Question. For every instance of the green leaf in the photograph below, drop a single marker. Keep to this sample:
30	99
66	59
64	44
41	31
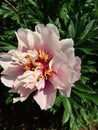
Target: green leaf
86	51
84	95
9	98
57	104
4	46
88	69
64	13
67	110
96	6
84	88
94	98
73	124
76	102
7	48
88	29
84	79
71	30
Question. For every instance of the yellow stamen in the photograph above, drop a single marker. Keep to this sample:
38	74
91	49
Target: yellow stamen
39	77
26	67
29	58
40	64
43	55
29	61
47	73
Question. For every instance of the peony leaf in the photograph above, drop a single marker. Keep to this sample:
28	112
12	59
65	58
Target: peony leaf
67	110
84	88
73	124
71	30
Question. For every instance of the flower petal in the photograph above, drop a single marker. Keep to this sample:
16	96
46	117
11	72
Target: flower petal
66	91
22	40
46	97
77	69
66	44
52	27
7	80
49	36
23	92
10	75
68	50
28	39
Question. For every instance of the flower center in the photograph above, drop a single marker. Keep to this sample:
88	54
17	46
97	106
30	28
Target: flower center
40	63
43	55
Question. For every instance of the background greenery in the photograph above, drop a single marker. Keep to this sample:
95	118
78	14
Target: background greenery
77	19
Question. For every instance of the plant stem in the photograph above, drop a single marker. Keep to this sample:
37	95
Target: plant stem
11	5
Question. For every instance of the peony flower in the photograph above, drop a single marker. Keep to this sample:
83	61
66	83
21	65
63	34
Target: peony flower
42	63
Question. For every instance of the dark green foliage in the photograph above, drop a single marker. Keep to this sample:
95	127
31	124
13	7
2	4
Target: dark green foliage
77	19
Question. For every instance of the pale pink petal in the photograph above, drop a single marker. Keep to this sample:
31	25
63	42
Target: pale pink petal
6	56
40	84
78	63
22	34
68	50
6	59
52	27
10	73
37	41
63	80
28	39
5	64
20	88
77	69
57	83
22	46
23	92
29	80
25	39
65	91
7	80
65	75
59	58
13	70
21	99
66	44
46	97
49	37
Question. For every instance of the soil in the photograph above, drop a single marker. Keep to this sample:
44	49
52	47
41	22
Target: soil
24	116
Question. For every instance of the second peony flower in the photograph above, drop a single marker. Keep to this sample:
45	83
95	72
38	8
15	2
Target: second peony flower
42	63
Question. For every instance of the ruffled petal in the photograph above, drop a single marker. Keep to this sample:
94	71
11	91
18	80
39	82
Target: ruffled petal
65	91
63	80
66	44
8	80
22	40
23	92
10	74
28	40
49	35
6	59
68	50
46	97
52	27
77	68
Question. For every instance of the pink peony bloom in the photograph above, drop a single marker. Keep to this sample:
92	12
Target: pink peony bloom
42	63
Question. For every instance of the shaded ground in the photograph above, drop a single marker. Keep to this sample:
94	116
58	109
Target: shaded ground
23	116
17	117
